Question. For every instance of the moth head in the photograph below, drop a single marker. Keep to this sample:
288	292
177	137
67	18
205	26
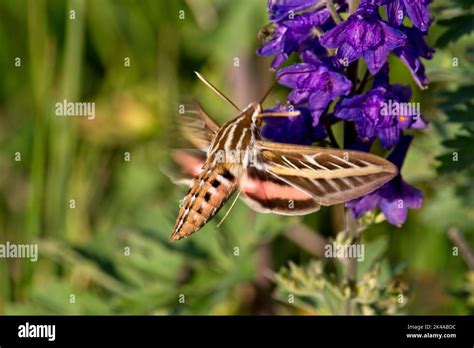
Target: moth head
253	110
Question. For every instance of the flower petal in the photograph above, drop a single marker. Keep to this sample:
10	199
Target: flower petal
335	37
389	136
290	76
273	45
298	96
397	156
419	13
375	59
393	37
318	101
348	53
362	205
292	130
395	12
392	211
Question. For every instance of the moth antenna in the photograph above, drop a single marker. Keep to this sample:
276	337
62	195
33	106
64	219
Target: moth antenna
228	211
215	90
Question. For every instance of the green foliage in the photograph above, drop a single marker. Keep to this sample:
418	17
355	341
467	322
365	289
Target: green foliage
460	24
310	289
324	287
140	272
457	27
465	293
458	106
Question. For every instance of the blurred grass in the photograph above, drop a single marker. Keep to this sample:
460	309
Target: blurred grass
130	204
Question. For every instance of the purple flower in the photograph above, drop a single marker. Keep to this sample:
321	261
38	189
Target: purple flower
382	112
294	130
415	47
364	34
279	9
395	197
314	82
296	35
417	10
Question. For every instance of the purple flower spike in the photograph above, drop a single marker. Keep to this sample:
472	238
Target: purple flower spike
364	34
293	130
382	112
395	197
410	53
417	10
315	83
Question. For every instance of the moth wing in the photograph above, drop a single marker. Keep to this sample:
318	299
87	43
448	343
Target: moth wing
189	164
329	176
197	126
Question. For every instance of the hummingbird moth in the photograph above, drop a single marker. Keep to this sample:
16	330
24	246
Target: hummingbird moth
270	177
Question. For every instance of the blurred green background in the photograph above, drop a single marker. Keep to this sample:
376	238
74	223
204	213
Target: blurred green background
110	254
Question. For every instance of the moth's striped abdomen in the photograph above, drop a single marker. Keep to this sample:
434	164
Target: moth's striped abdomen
210	190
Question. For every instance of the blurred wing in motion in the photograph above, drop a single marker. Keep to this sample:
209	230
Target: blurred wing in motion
197	126
199	129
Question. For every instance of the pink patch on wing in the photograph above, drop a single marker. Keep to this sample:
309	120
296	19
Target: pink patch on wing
190	164
270	190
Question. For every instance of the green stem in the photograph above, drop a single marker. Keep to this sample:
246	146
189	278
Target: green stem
333	11
41	73
364	81
311	9
328	127
63	138
351	270
350	136
353	4
332	138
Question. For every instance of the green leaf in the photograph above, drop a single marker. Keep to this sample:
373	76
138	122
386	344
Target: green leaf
373	250
460	116
465	160
457	27
463	95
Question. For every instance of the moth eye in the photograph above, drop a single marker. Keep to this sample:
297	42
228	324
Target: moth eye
258	122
